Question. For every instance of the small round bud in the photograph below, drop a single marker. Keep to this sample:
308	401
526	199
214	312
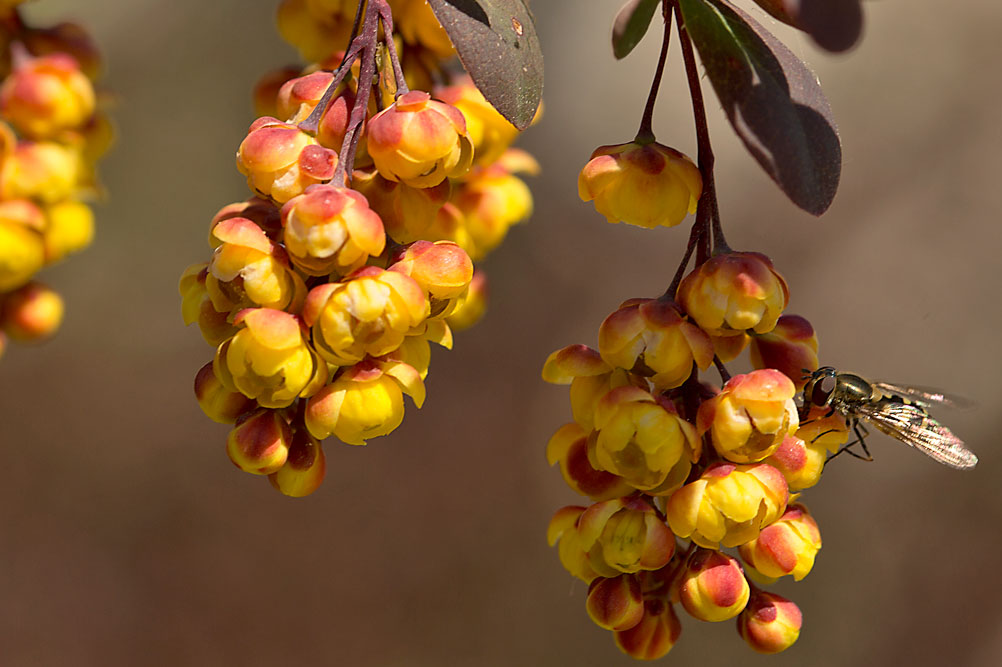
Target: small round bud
196	306
407	213
42	171
800	462
616	603
280	160
770	623
569	447
733	292
31	313
217	402
491	201
259	443
419	141
713	586
472	307
22	249
69	229
442	269
304	469
45	96
788	546
646	185
654	636
751	416
791	348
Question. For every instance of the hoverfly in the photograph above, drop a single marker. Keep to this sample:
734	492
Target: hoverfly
897	411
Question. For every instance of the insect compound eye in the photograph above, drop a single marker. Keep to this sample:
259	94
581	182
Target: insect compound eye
823	390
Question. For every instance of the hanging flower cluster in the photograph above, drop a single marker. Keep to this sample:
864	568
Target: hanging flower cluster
370	205
51	135
676	471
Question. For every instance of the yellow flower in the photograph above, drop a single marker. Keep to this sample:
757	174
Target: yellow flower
45	96
569	447
22	248
788	546
280	160
625	535
70	228
490	132
646	185
268	359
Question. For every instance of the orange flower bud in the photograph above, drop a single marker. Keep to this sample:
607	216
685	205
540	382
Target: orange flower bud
713	586
407	213
791	348
249	269
728	505
69	228
646	185
419	141
259	443
329	229
770	623
616	603
299	96
490	132
268	359
642	439
569	447
304	467
788	546
196	306
654	636
366	401
653	334
45	96
733	292
217	402
491	201
280	160
472	307
31	313
22	248
442	269
800	462
751	416
262	212
367	314
625	535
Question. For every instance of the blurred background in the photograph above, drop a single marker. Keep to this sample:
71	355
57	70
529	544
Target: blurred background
130	539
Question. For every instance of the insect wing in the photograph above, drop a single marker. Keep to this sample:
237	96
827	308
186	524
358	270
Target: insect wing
911	425
925	396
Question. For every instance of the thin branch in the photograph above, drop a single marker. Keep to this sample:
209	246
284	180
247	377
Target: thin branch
645	134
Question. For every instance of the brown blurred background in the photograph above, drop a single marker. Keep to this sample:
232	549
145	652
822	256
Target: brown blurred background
129	538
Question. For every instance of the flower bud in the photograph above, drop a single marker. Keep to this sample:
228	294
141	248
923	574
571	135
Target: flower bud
22	249
787	546
268	359
442	269
366	401
259	443
217	402
646	185
43	171
791	348
770	623
331	230
652	334
733	292
490	132
419	141
304	467
569	447
196	306
713	586
248	269
45	96
262	212
654	636
69	228
472	307
31	313
407	213
801	463
419	25
369	313
751	416
641	438
728	505
491	201
625	535
616	603
280	160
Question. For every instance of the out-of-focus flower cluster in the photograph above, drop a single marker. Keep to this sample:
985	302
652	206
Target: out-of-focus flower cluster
51	135
322	295
677	471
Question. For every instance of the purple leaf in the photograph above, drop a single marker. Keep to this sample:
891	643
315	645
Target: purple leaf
836	25
631	25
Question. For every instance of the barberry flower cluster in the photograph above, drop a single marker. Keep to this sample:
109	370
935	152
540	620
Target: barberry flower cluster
677	471
371	202
51	135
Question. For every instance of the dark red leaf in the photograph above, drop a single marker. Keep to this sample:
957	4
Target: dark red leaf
772	100
836	25
497	42
631	25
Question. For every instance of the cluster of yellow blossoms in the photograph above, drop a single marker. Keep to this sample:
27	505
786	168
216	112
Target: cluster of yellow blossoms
664	457
51	135
325	289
